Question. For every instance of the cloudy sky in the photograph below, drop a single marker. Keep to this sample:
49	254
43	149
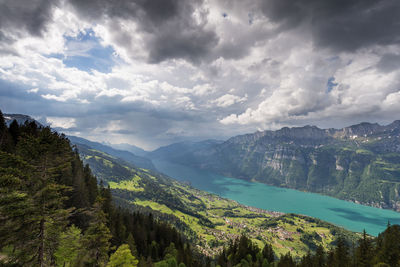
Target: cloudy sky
152	72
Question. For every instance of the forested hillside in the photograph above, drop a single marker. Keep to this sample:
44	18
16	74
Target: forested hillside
52	211
383	251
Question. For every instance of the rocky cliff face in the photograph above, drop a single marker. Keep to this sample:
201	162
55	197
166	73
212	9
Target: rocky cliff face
360	163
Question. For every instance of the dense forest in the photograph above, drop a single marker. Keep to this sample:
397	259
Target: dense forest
381	251
54	212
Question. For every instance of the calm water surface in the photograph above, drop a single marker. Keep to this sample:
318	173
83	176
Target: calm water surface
343	213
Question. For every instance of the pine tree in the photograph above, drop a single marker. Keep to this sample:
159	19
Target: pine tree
6	143
222	258
286	261
364	251
319	259
268	253
341	253
330	259
97	237
15	131
16	216
48	154
118	228
306	261
389	245
44	198
3	126
123	258
91	184
154	250
170	252
132	246
69	247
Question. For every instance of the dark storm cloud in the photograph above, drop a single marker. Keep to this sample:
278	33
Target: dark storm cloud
188	44
173	31
152	13
342	25
389	63
32	15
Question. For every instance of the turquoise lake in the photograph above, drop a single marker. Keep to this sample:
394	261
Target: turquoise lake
349	215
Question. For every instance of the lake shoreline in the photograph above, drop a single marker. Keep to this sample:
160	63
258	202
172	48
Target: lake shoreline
343	213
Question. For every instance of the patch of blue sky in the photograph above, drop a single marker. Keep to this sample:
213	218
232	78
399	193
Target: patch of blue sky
86	53
330	84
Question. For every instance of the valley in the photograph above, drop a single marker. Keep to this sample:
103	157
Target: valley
351	216
359	163
208	220
172	133
354	217
222	209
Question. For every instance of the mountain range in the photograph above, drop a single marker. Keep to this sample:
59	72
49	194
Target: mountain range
360	163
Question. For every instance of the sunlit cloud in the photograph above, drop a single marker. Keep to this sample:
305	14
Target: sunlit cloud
189	70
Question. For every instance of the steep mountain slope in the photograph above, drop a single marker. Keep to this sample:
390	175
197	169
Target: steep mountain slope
53	213
210	221
138	161
360	163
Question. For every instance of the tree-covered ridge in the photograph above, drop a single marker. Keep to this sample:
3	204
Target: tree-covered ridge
206	219
53	213
383	251
360	163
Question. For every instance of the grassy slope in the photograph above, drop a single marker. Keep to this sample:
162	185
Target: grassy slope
210	221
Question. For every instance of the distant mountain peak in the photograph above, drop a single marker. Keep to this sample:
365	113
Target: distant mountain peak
314	132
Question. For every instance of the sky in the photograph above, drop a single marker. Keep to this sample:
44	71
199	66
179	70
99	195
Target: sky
154	72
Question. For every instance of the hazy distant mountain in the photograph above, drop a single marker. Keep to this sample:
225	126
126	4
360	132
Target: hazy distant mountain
131	148
20	118
359	163
129	157
185	152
